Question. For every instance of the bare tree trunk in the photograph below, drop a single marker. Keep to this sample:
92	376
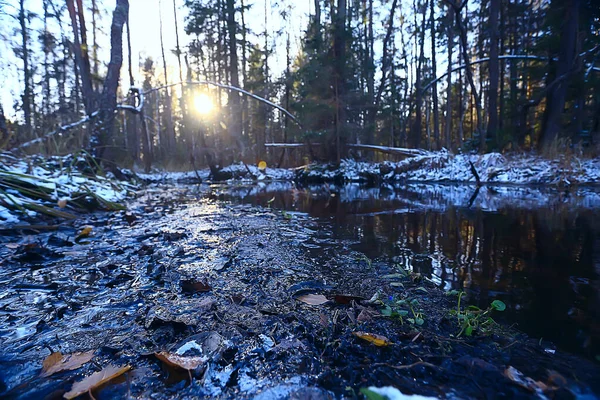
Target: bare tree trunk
170	134
27	81
555	99
46	49
469	70
416	130
448	127
436	113
235	125
80	52
95	46
370	73
494	76
385	57
245	106
339	51
102	135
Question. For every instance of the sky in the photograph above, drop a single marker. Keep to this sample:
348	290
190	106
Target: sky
145	35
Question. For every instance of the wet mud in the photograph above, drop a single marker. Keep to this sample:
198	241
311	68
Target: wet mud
256	303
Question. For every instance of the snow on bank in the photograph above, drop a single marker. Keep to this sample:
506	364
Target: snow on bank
57	176
237	172
443	166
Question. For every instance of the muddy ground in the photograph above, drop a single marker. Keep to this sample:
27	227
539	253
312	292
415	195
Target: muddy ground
225	287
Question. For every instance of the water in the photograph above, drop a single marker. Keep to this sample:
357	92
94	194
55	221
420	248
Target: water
538	250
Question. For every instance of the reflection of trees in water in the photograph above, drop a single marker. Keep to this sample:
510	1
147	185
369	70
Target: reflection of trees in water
539	262
543	262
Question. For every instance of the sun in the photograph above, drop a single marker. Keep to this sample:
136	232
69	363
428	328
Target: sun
204	104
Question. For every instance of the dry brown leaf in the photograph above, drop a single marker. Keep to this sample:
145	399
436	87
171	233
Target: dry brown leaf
85	232
175	360
96	379
377	340
525	382
57	362
313	299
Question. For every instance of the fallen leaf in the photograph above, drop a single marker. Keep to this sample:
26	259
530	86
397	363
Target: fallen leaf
525	382
377	340
346	299
85	232
57	362
96	379
195	286
313	299
175	360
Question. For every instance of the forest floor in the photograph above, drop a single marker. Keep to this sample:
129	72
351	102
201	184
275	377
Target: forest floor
187	296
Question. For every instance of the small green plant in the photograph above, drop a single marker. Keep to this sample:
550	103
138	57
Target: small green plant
473	318
397	309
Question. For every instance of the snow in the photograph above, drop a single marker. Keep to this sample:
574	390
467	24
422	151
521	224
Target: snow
391	393
57	175
442	166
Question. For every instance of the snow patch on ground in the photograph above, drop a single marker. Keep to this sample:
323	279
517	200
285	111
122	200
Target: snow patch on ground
443	166
59	176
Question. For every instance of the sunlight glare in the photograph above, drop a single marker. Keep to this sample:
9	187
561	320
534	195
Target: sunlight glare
204	104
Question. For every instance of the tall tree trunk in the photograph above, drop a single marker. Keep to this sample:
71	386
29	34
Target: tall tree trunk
95	46
102	135
245	106
235	124
448	126
370	73
385	56
468	69
265	135
170	134
80	52
27	75
417	125
492	129
555	99
339	52
46	50
434	93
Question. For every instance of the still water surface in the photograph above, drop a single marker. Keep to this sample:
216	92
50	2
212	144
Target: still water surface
536	250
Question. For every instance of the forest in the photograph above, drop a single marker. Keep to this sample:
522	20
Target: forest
278	199
482	76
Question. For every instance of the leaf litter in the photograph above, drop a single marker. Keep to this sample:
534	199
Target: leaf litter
95	380
57	362
125	298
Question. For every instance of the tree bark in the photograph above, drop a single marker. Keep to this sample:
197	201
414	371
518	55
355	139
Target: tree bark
27	84
555	100
469	71
436	112
87	90
448	126
417	125
492	129
339	52
170	134
102	136
235	124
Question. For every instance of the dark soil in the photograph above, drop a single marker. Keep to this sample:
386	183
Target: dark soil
184	269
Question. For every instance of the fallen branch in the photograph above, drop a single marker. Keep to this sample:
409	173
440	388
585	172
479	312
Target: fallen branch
392	150
61	129
229	87
475	174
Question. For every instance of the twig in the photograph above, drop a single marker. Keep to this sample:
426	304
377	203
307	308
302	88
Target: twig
401	367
